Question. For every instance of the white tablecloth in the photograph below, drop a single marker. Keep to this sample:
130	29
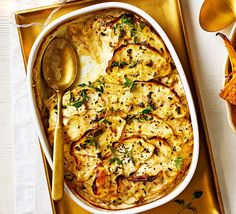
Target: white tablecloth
31	191
208	55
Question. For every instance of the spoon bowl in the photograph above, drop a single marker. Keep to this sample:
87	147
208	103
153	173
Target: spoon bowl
59	64
217	14
59	71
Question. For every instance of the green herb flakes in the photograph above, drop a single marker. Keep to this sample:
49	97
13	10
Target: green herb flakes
178	162
142	25
92	141
129	84
123	63
116	26
113	150
115	160
119	64
106	121
78	103
83	98
134	35
115	64
140	120
127	20
83	84
146	110
99	89
133	32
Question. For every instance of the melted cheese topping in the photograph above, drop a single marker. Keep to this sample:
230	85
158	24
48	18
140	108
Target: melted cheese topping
128	134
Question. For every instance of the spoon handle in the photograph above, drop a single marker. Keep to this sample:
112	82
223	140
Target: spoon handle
58	154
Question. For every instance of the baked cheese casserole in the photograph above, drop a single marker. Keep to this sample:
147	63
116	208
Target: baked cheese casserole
127	128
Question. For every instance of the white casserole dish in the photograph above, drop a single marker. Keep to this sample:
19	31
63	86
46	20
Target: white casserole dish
39	125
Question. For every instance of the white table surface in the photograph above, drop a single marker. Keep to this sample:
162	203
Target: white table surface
6	137
209	56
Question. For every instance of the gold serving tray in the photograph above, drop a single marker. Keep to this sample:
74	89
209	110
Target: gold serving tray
202	194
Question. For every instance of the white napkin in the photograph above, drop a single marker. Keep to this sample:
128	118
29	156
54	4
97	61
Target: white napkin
31	190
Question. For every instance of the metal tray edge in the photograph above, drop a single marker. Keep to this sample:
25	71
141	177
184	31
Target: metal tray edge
203	118
209	149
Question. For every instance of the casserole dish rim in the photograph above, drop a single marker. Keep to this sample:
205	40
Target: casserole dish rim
40	128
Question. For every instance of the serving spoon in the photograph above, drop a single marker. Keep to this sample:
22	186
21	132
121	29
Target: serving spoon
217	14
59	67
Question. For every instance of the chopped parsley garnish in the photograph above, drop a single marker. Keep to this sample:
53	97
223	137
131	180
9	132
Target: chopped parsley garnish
123	63
142	25
127	19
113	150
116	26
140	119
119	64
83	94
106	121
99	89
129	155
129	84
83	84
101	82
92	141
115	64
178	162
117	153
133	32
115	160
83	98
134	35
91	85
146	110
78	103
122	32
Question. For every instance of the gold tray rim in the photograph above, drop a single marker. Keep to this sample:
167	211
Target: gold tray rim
203	117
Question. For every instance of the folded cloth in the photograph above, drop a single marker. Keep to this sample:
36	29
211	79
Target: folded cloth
31	190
